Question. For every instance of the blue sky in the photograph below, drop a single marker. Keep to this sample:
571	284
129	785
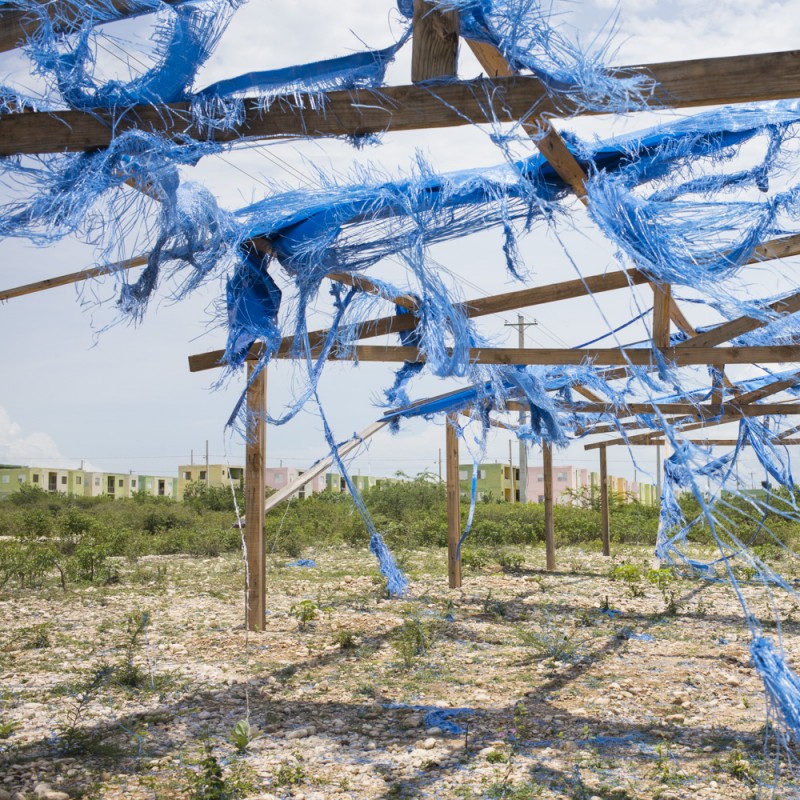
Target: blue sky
122	398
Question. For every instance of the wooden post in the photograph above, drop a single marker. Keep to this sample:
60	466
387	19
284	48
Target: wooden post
604	518
255	547
434	46
549	525
662	298
453	503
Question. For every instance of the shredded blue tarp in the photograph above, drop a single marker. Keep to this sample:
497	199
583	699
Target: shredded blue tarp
302	562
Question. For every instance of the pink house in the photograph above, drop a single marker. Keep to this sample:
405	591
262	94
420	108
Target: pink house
278	477
564	477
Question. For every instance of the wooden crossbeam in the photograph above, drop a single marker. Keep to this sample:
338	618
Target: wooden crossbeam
682	84
704	411
72	277
16	25
479	307
768	354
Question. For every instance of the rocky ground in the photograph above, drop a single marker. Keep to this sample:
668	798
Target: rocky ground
523	684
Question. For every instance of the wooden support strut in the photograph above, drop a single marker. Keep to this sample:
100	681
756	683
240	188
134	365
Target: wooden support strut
549	521
434	44
254	487
453	502
605	530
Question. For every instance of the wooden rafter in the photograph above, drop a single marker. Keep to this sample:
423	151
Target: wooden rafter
682	84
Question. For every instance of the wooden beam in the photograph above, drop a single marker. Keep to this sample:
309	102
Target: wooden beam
254	487
683	84
549	520
491	59
473	308
322	465
662	300
767	354
741	325
434	43
72	277
17	25
453	502
718	442
605	530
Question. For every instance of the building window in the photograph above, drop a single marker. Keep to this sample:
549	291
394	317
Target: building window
463	475
149	485
97	481
223	472
133	482
278	478
202	474
561	476
540	478
78	480
481	474
120	483
20	478
36	479
63	480
5	478
187	476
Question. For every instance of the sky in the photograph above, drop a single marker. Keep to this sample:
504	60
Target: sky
79	387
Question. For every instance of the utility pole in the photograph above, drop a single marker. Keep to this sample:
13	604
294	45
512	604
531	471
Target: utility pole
207	479
511	473
440	465
520	325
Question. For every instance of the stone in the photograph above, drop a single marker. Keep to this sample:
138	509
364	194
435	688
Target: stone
429	743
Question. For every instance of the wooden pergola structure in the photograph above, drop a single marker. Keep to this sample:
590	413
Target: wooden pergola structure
437	99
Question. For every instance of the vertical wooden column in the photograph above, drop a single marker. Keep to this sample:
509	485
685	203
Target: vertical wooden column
662	301
453	503
434	45
255	546
604	517
549	524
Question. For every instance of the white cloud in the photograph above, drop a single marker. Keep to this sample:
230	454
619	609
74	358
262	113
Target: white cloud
18	447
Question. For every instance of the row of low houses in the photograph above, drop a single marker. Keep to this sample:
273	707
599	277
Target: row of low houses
570	484
494	481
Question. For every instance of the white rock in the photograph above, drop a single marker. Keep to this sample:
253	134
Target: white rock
429	743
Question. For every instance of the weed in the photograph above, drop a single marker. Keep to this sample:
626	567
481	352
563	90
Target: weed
631	576
475	558
40	637
345	639
413	638
290	774
510	562
549	640
666	772
70	736
210	782
127	673
7	728
496	757
663	579
305	612
738	766
242	735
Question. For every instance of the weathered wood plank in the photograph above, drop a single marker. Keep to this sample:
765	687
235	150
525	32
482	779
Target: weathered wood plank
434	43
453	502
768	354
605	527
683	84
254	488
549	519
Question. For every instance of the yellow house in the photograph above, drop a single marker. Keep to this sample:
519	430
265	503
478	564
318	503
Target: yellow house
213	475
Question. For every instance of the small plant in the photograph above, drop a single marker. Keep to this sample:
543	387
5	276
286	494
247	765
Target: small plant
72	739
413	638
290	774
738	766
40	637
305	612
346	640
474	559
242	735
496	757
510	562
663	580
127	673
666	771
7	728
631	576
